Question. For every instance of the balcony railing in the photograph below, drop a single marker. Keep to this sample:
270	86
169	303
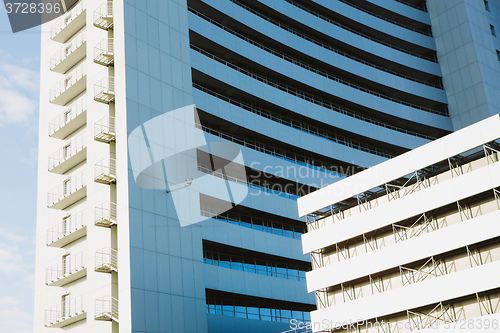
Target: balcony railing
105	171
68	230
104	90
70	54
106	260
69	156
69	311
72	267
103	53
103	16
104	130
105	214
70	191
106	308
69	23
70	86
74	117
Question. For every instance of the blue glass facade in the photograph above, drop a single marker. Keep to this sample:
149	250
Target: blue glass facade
311	91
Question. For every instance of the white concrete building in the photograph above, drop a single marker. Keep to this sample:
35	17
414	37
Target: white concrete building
76	269
411	243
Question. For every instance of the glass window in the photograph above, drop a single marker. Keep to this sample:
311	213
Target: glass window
237	265
228	310
246	225
258	227
265	314
286	314
261	267
281	272
297	315
293	274
224	264
249	267
234	222
253	312
240	311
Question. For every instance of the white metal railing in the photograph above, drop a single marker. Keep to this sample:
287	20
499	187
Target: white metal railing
68	48
105	169
104	127
104	89
103	15
105	211
68	225
70	79
68	265
107	259
69	307
72	148
74	110
66	19
106	308
103	52
69	186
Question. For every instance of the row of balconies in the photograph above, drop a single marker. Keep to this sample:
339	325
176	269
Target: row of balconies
69	156
75	19
73	226
74	188
72	309
75	82
73	267
75	50
70	61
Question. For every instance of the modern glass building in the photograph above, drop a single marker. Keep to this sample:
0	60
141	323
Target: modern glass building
308	91
421	251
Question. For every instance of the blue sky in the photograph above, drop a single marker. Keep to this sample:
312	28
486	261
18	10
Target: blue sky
19	90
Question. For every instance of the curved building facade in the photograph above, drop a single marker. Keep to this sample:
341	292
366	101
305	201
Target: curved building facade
308	91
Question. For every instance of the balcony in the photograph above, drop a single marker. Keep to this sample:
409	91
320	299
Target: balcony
70	54
103	53
69	311
106	309
69	192
73	84
105	215
104	90
71	268
104	130
71	228
69	24
69	156
106	260
103	16
70	120
105	171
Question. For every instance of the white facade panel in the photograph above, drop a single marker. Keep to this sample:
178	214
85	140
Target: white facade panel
441	149
450	238
443	288
433	197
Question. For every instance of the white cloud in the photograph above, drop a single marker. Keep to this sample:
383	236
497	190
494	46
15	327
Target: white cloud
23	77
16	272
12	256
18	93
